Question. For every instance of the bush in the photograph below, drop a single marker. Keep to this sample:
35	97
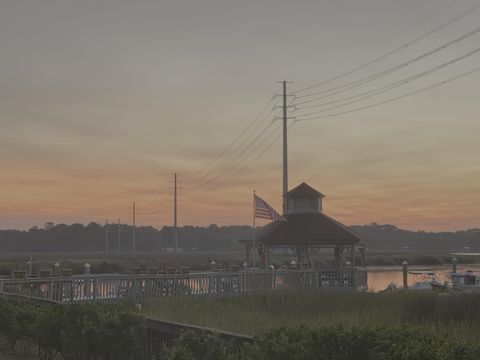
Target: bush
7	323
45	330
15	321
339	343
194	346
325	343
78	332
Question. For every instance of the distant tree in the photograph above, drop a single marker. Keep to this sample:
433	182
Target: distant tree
77	237
49	225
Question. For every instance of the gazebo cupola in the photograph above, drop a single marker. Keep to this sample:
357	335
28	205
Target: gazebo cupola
303	199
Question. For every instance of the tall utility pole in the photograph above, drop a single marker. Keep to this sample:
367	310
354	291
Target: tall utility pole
106	235
285	149
175	230
133	230
285	119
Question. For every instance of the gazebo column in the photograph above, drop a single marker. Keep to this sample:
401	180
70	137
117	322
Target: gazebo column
362	258
247	255
311	257
307	257
338	255
298	250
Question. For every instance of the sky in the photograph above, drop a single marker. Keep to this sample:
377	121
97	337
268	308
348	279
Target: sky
102	101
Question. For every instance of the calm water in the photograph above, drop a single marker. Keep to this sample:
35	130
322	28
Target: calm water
379	278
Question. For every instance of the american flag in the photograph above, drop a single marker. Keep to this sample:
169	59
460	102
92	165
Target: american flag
265	211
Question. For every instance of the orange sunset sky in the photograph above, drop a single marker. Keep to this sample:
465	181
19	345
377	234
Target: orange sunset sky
102	101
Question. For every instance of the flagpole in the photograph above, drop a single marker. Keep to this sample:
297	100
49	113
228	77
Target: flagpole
254	230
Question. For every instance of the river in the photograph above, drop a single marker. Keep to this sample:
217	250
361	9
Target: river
380	277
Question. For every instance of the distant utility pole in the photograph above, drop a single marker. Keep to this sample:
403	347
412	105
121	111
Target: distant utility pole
106	235
118	234
133	230
175	230
30	263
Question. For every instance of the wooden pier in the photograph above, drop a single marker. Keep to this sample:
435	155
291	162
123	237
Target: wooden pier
147	288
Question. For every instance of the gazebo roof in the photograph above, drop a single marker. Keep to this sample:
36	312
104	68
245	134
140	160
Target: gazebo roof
306	229
304	190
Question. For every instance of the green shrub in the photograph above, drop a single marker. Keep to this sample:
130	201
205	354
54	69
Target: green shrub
78	332
45	329
325	343
195	346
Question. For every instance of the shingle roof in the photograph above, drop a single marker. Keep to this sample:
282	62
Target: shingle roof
306	229
304	190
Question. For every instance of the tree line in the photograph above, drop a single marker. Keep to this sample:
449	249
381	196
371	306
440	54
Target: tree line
92	237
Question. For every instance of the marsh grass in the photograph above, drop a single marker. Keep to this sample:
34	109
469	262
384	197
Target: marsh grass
121	262
449	314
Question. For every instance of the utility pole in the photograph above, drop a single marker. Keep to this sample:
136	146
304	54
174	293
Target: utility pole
254	248
285	149
118	234
175	230
133	230
106	235
284	119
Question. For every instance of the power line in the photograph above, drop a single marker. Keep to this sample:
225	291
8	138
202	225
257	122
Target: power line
244	155
468	73
238	149
239	170
391	86
231	161
164	192
259	155
238	161
232	144
382	28
364	80
159	210
218	180
392	52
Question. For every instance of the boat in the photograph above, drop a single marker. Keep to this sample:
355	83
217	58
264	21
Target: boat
467	280
392	287
424	280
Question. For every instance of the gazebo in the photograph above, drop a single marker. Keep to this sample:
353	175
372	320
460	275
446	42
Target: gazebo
307	230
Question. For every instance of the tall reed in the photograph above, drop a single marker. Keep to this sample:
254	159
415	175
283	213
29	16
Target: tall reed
455	313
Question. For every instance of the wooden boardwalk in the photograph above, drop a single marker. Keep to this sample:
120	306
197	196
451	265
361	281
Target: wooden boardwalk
147	288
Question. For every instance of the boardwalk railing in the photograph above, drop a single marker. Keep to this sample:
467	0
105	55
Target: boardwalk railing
146	288
160	333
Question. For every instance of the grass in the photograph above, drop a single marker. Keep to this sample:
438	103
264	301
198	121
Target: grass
120	262
124	262
454	314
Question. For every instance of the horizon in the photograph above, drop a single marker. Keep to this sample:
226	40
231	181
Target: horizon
102	101
42	226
